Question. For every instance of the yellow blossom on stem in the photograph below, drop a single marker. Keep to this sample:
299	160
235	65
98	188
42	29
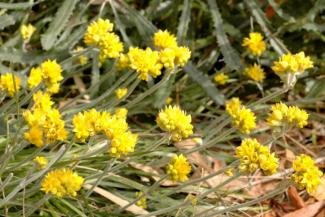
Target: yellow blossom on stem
35	77
292	63
83	60
123	143
121	113
143	201
121	92
178	168
164	39
96	30
145	62
168	101
27	31
182	55
255	72
35	136
110	46
306	174
255	44
175	121
254	156
62	182
41	161
10	83
221	78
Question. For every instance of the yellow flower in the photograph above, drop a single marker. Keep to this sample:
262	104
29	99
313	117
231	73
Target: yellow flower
178	168
110	46
145	62
123	62
306	174
143	201
35	136
182	55
41	161
62	182
175	121
289	63
35	77
254	156
243	118
282	114
221	78
168	101
121	113
167	57
10	83
51	72
42	101
96	30
255	72
121	92
164	39
123	143
254	43
83	60
27	31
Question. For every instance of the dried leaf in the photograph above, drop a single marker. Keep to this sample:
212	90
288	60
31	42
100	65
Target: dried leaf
307	211
296	200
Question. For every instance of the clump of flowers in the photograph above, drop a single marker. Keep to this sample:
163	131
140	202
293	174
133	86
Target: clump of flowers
292	63
62	182
254	44
115	127
282	115
45	123
41	161
175	121
10	83
255	72
221	78
306	174
121	92
254	156
242	118
99	34
50	72
27	31
149	63
178	168
83	60
142	202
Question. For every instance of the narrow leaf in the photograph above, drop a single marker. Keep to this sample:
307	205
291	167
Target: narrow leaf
184	21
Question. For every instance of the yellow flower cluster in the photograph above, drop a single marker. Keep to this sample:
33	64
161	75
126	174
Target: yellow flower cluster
62	182
178	168
242	117
115	127
49	72
121	92
100	34
83	60
45	123
41	161
148	62
27	31
255	72
10	83
175	121
282	114
221	78
254	156
254	43
306	174
292	63
142	202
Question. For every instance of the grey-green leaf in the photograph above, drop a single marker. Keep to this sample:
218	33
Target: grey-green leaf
6	20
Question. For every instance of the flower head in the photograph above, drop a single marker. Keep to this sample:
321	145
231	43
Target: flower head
110	46
221	78
145	62
182	55
254	43
121	92
253	156
10	83
35	77
41	161
178	168
143	201
306	174
83	60
123	143
255	72
292	63
175	121
163	39
62	182
123	62
27	31
96	30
